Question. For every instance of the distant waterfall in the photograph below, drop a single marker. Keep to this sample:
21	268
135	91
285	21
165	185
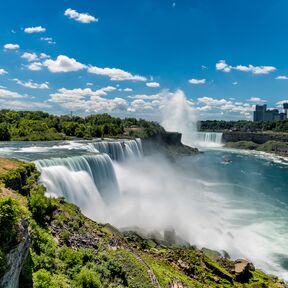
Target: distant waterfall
80	178
208	139
118	150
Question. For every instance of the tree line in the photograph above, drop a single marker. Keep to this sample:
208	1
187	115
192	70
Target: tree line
242	125
38	125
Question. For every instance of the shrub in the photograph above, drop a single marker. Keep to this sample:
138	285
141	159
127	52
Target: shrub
9	209
88	279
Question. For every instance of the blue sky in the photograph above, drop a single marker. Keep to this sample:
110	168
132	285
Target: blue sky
125	57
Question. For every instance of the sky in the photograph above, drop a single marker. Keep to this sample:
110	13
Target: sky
125	57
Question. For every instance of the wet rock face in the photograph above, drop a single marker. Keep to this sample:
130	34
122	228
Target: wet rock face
15	259
242	270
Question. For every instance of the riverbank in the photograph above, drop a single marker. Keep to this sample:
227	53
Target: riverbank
63	248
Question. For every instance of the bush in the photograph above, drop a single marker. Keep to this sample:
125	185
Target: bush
9	210
88	279
40	206
41	279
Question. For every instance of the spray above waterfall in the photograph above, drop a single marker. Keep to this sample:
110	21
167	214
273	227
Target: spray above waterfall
179	115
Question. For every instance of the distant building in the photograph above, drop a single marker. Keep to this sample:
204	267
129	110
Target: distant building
262	114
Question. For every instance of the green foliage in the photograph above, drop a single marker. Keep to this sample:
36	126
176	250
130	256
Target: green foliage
88	279
42	279
40	206
37	125
4	132
18	179
242	125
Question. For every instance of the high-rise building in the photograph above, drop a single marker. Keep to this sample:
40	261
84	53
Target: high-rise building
262	114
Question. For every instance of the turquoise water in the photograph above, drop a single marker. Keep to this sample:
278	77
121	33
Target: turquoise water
222	199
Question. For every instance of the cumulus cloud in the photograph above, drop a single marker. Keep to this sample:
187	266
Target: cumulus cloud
88	100
115	74
226	106
281	77
29	56
80	17
128	89
224	67
23	105
11	46
146	97
37	29
153	84
63	64
49	40
197	81
31	84
4	93
3	71
256	99
35	66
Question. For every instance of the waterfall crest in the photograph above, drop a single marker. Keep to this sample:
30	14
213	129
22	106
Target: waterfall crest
208	139
118	150
72	176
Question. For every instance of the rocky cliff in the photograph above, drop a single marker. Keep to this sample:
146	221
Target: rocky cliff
69	250
258	138
168	143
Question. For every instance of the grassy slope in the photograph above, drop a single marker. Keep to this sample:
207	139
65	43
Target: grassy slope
70	250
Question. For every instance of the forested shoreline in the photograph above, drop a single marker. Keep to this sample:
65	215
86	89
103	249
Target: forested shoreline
42	126
243	125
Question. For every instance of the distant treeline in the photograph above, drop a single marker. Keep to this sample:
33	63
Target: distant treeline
37	125
245	126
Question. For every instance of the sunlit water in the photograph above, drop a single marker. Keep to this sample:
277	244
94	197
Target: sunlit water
222	199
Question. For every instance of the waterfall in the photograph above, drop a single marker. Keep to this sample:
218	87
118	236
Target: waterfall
208	139
80	179
118	150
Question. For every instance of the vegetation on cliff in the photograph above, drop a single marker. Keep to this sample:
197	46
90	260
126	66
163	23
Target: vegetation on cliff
70	250
37	125
242	125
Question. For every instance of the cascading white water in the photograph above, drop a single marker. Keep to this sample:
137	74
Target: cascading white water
60	174
208	139
118	150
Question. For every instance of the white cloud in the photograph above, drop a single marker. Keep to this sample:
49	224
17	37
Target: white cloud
31	84
256	99
128	89
223	66
80	17
255	69
29	56
145	97
11	46
35	66
4	93
37	29
281	77
20	105
63	64
49	40
213	101
44	56
88	100
197	81
153	84
3	71
115	74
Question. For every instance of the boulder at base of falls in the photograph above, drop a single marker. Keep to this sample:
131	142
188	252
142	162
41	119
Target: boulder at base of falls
242	270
